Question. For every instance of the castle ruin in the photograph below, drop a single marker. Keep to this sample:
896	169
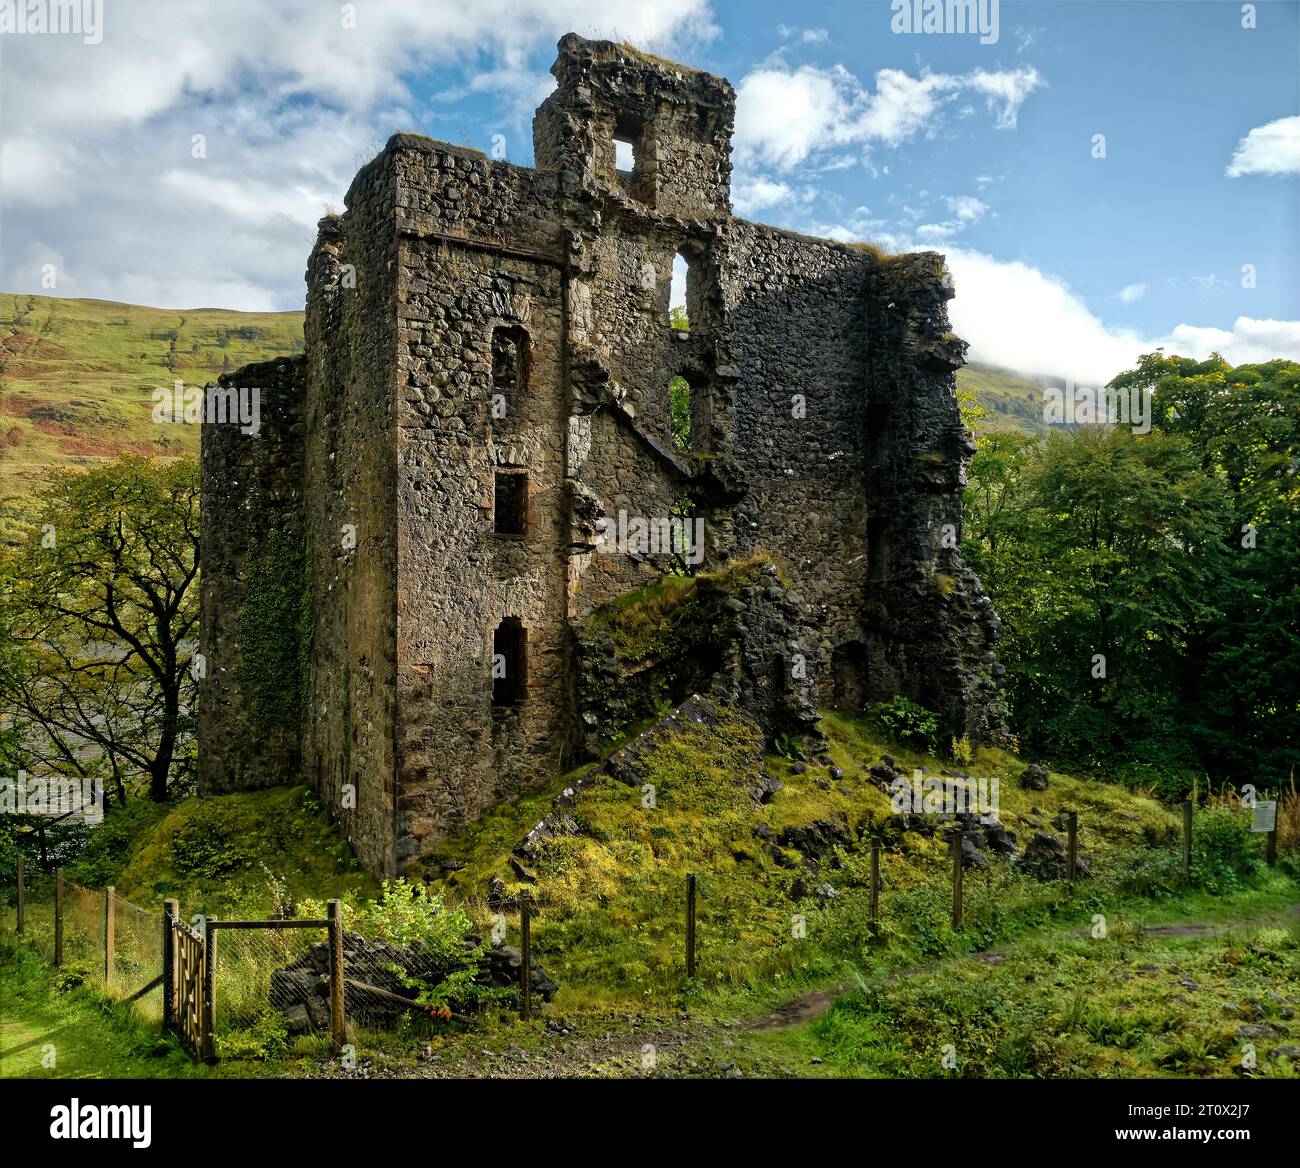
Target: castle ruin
394	566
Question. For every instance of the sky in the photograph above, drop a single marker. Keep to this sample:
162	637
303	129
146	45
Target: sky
1104	176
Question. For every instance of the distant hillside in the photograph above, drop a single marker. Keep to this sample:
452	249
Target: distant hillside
77	378
1012	401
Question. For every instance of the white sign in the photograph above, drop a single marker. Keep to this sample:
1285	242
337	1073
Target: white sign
1265	816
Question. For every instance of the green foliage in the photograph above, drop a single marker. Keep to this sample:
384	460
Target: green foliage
214	854
1224	850
905	720
407	914
266	1038
679	408
1173	555
102	624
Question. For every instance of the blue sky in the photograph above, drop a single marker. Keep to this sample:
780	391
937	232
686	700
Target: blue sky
1065	263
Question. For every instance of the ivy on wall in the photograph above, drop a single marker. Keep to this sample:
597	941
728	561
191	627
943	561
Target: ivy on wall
275	626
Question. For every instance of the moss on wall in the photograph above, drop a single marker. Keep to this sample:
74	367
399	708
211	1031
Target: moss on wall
275	629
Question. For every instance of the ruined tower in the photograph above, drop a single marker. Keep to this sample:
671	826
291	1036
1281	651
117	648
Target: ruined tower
392	569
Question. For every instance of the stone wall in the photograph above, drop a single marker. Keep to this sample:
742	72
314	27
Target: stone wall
351	493
824	436
251	504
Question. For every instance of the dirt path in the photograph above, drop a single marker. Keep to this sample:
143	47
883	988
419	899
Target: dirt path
813	1005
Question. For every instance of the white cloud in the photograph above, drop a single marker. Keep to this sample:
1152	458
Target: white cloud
1019	317
1269	149
95	151
967	208
784	115
807	36
1131	292
751	195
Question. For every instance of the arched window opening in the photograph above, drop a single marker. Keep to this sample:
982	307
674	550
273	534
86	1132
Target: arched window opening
630	159
509	359
679	316
509	663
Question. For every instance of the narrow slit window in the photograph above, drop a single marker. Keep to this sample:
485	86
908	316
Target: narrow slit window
509	359
510	503
509	663
679	316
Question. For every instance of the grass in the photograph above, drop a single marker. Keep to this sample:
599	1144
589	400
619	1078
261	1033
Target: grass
50	1028
610	900
1072	1004
1012	403
224	855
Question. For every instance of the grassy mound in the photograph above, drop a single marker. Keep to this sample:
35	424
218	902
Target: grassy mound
224	855
610	899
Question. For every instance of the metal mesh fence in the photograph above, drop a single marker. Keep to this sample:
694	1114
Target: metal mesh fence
83	931
136	959
271	979
137	956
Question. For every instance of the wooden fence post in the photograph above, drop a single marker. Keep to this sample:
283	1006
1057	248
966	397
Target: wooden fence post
875	889
58	918
208	1028
171	910
338	1023
525	958
956	879
1072	830
690	926
1187	837
21	896
109	927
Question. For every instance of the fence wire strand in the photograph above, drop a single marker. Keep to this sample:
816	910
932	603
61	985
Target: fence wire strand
280	975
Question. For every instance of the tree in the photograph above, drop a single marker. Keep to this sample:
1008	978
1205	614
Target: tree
1174	555
103	608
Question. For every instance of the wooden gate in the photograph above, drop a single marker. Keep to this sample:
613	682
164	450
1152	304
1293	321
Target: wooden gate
185	983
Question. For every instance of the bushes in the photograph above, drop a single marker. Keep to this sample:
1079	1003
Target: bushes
406	914
907	721
1224	850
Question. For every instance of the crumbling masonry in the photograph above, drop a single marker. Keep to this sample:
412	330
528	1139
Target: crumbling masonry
486	386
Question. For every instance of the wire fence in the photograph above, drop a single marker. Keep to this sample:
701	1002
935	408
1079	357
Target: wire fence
270	973
119	951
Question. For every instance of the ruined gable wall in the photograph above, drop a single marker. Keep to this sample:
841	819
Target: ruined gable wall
794	325
251	513
351	480
931	630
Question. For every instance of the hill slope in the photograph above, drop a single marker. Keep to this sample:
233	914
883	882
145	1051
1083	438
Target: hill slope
77	378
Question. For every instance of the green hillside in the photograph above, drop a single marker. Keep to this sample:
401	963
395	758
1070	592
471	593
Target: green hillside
1012	402
77	378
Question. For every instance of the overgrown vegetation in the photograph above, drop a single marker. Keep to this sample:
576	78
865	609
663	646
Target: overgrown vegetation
1149	583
